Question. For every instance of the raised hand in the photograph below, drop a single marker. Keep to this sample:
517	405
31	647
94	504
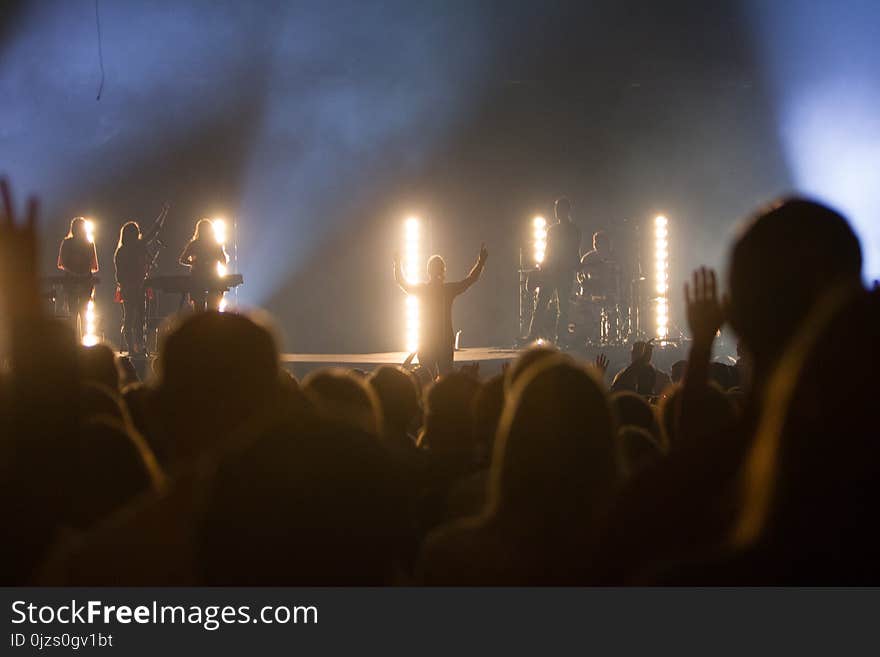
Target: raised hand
484	254
19	289
601	363
705	309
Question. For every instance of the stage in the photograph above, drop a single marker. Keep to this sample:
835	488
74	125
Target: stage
491	359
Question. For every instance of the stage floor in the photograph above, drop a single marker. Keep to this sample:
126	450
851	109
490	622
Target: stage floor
491	359
467	355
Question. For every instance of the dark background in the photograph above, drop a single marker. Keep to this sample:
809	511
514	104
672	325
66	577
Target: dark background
319	126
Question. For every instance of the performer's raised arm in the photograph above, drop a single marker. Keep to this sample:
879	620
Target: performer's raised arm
402	283
475	272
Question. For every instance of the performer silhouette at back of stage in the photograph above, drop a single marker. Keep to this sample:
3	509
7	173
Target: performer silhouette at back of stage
78	259
561	261
436	337
205	257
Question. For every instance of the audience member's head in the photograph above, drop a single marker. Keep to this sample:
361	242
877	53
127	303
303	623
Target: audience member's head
398	398
713	416
307	502
631	409
218	370
555	458
98	364
448	429
784	260
343	397
525	360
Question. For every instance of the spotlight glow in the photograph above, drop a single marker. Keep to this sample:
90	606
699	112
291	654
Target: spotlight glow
219	226
90	337
826	98
412	266
90	230
221	272
661	276
539	239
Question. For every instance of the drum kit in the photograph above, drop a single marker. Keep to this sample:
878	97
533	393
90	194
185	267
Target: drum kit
597	312
608	309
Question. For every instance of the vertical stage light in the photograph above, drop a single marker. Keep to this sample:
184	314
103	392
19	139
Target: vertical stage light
539	239
89	320
219	226
90	326
661	277
90	230
412	264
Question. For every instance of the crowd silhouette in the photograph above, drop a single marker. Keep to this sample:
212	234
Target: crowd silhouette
224	469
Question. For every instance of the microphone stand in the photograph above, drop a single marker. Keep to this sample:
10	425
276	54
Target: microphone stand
154	248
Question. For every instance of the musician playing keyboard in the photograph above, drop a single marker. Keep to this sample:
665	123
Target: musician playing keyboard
207	259
78	259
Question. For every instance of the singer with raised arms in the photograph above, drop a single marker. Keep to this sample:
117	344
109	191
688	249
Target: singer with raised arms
436	337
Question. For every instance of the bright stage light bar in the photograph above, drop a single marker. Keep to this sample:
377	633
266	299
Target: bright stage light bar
221	236
412	266
90	230
221	272
539	239
219	226
661	276
90	337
